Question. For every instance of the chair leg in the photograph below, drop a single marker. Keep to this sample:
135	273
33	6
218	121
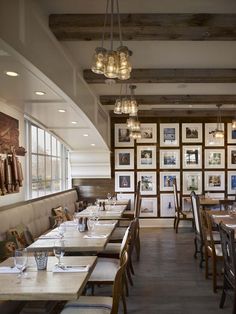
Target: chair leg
202	256
126	285
177	225
137	247
131	266
129	276
214	274
206	264
124	303
223	295
195	244
175	222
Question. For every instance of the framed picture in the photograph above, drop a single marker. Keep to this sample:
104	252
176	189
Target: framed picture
214	158
122	138
231	157
124	181
231	182
231	134
148	182
126	196
210	140
167	205
192	157
148	207
146	157
124	158
169	134
191	132
169	159
214	180
192	181
166	180
148	133
186	204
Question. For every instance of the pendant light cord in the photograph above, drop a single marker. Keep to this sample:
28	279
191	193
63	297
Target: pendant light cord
119	25
112	9
104	25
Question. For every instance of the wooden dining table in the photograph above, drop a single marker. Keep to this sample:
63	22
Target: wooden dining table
46	284
111	212
224	217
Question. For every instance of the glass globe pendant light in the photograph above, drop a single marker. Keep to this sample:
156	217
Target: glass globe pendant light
219	133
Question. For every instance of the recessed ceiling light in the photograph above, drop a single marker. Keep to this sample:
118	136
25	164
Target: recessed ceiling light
190	106
40	93
85	134
61	110
11	73
74	122
92	144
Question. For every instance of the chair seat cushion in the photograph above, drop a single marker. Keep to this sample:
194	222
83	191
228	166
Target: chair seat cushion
118	234
188	215
105	270
112	248
88	305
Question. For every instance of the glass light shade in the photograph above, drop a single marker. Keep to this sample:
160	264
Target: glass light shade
133	107
131	123
118	106
135	135
126	106
234	124
99	60
136	126
219	133
112	65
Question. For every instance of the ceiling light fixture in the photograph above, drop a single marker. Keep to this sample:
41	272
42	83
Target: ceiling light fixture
126	105
12	73
85	134
62	110
40	93
234	124
92	144
218	132
112	63
74	122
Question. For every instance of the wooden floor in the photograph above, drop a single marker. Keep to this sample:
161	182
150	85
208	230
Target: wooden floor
168	279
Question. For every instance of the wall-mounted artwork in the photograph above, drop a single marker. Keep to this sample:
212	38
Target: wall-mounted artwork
169	134
148	133
231	182
166	180
124	181
192	157
210	139
231	134
191	132
231	157
214	158
169	159
192	181
148	207
122	138
124	158
148	182
167	207
146	157
214	180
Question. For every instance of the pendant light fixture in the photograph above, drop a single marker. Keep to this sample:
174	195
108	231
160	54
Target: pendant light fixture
218	133
126	104
112	63
234	123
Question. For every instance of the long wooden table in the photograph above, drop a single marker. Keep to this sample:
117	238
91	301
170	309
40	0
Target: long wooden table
223	216
111	212
46	285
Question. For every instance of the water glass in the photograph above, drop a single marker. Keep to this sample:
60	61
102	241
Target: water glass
59	251
109	196
20	260
61	230
41	258
91	224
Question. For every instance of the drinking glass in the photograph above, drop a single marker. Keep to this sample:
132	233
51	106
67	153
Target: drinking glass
91	224
113	201
109	196
61	230
59	251
20	260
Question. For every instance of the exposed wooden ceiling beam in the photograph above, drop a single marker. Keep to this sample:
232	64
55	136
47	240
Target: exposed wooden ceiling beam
174	99
170	76
146	26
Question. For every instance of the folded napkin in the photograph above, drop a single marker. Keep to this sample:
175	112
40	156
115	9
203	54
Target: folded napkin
220	216
71	269
95	236
49	236
105	224
9	270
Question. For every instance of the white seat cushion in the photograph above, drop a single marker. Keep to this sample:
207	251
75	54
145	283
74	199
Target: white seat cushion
105	270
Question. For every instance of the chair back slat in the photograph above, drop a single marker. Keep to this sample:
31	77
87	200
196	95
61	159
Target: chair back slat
196	213
176	200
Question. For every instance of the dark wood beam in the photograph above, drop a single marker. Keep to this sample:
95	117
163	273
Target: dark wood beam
170	76
146	26
174	99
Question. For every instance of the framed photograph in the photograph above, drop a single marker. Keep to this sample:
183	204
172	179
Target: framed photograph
167	205
214	158
231	182
148	182
148	133
169	159
210	140
122	138
166	181
231	134
192	132
126	196
186	204
214	180
146	157
124	181
192	157
231	157
192	181
169	134
124	159
148	207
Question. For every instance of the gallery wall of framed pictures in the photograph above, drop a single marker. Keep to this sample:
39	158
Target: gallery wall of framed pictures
186	151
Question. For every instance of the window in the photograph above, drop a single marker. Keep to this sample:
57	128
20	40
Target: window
48	162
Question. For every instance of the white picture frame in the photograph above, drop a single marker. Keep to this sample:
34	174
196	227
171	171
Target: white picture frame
124	181
148	182
192	157
148	207
191	132
124	158
148	133
122	138
169	134
192	181
214	180
231	134
214	158
167	205
231	182
210	140
166	180
146	157
169	159
231	157
126	196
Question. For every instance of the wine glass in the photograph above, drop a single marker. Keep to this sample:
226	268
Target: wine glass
113	201
109	197
59	252
91	224
61	230
20	260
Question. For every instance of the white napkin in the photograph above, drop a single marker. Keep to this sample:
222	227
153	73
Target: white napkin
220	216
105	224
71	269
95	236
231	225
9	270
49	236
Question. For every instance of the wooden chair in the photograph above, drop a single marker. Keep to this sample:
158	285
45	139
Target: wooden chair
134	214
228	249
97	304
179	213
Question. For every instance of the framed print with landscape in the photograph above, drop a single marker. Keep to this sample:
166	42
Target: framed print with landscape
210	140
192	181
231	182
214	158
231	134
192	157
214	180
146	157
169	134
166	180
148	182
167	205
231	157
124	158
148	207
148	133
122	138
124	181
191	132
169	159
